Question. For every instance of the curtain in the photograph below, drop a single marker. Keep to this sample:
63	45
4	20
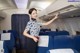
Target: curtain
19	22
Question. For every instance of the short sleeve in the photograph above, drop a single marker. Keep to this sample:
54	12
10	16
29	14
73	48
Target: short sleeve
28	26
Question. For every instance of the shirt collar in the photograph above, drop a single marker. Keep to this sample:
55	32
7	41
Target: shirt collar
32	19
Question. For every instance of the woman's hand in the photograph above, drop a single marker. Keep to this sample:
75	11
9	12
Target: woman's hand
47	23
57	14
35	39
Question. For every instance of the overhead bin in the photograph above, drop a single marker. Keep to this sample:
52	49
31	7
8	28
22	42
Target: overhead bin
62	6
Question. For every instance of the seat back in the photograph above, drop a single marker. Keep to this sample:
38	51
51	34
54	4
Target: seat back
63	42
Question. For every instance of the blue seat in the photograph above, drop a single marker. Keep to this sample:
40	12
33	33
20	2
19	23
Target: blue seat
77	42
52	33
43	33
10	44
5	48
16	36
42	49
14	33
43	30
63	42
62	33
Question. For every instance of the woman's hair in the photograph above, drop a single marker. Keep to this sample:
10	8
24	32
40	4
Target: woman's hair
31	10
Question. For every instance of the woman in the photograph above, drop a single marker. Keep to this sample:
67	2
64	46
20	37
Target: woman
34	27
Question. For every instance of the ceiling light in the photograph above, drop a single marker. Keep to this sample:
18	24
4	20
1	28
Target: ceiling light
40	4
21	4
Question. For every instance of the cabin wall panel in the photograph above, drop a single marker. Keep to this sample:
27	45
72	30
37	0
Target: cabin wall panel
69	24
74	24
6	23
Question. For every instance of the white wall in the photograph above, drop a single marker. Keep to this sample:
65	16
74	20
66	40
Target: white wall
68	24
6	23
74	25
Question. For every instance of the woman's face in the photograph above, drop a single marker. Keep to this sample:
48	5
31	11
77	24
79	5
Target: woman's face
34	14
